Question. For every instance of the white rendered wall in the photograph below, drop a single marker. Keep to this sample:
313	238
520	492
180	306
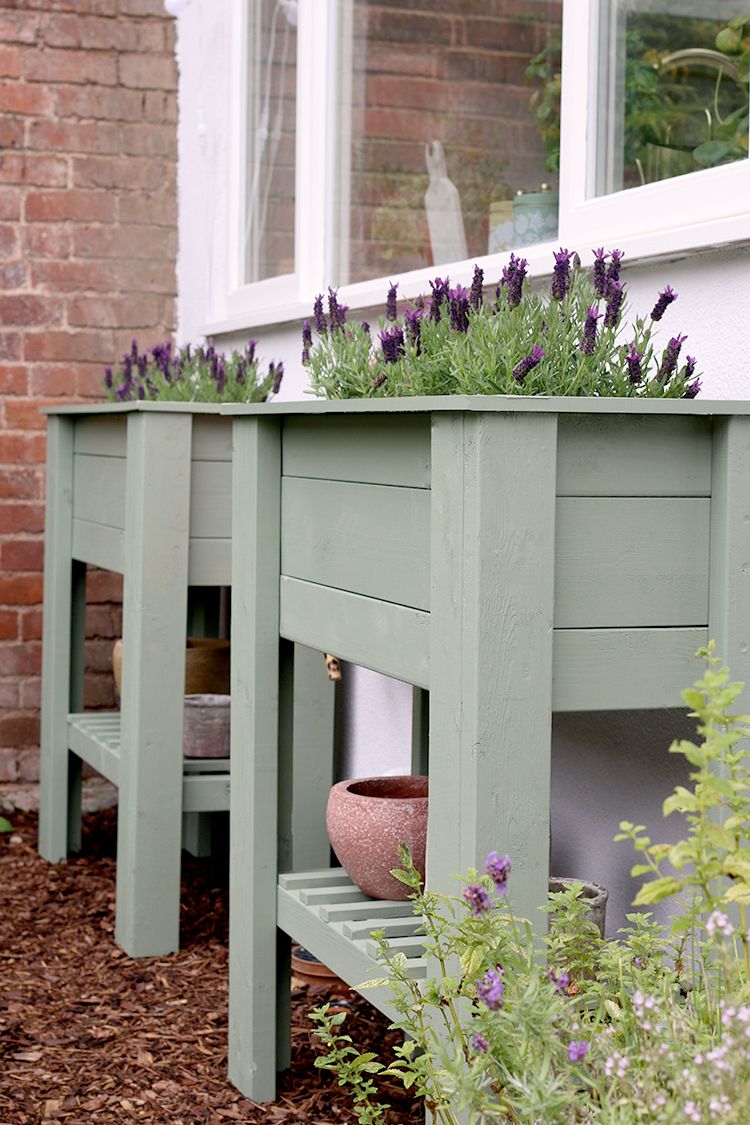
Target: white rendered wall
606	767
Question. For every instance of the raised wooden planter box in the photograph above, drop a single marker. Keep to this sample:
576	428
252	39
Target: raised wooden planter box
143	490
513	557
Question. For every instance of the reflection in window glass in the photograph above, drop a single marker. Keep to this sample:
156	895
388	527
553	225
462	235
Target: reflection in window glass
271	111
675	92
447	114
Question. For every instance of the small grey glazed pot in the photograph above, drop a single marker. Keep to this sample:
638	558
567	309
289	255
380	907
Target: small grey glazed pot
367	818
593	895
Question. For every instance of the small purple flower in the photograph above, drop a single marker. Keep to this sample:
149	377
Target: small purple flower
220	376
475	293
321	325
615	297
365	328
392	343
306	342
600	272
336	312
477	899
666	297
577	1050
459	309
141	390
278	375
240	371
252	345
613	270
561	274
669	359
513	278
490	989
108	378
382	378
440	287
413	326
690	362
560	981
391	311
479	1043
528	363
633	361
693	390
498	870
588	339
638	962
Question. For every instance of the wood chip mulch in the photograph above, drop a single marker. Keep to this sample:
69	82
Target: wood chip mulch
88	1035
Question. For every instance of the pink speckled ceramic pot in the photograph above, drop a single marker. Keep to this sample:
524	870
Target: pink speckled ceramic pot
367	819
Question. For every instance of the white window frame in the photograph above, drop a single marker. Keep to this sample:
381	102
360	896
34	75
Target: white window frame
691	212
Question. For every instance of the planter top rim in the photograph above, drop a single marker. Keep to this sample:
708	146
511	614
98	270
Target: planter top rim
134	407
496	404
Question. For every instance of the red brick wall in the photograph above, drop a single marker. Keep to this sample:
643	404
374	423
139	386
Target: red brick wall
87	260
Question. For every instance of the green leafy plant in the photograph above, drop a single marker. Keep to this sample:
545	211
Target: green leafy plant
5	825
191	375
563	1027
518	341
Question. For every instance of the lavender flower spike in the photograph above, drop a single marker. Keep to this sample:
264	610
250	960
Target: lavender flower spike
439	289
599	277
392	343
577	1050
633	361
498	870
278	370
560	982
693	389
666	297
669	359
513	278
108	378
391	311
561	274
528	363
306	342
491	989
477	899
615	297
613	271
321	326
588	339
479	1043
475	293
459	309
413	327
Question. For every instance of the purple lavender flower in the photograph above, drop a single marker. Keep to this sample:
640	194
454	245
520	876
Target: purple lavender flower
122	394
600	272
391	310
413	326
513	278
479	1043
577	1050
613	270
141	390
440	287
392	343
252	345
365	328
615	297
336	312
588	339
277	370
560	981
666	297
498	870
475	293
382	378
693	389
459	309
477	899
419	302
490	989
528	363
134	350
108	378
690	362
240	371
306	342
669	359
321	326
561	274
220	376
633	361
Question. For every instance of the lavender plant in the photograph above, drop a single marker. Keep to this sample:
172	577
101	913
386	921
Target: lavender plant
564	1027
458	341
191	374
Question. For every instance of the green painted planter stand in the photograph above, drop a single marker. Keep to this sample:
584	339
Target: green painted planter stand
143	490
510	556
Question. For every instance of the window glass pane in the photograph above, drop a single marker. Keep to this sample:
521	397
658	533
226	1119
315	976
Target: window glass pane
674	90
271	112
448	111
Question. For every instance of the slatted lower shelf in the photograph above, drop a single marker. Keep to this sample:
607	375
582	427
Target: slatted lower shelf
327	914
95	738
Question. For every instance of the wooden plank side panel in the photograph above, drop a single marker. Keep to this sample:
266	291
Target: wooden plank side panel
623	669
211	500
391	639
102	436
99	489
367	539
210	562
368	450
631	562
633	455
212	438
97	545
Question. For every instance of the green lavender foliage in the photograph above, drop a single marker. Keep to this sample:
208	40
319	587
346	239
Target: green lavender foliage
348	361
653	1027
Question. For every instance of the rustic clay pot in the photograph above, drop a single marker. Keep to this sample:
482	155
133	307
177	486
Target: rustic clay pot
206	726
367	818
206	666
594	896
312	972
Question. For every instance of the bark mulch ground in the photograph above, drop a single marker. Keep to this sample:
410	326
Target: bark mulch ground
88	1035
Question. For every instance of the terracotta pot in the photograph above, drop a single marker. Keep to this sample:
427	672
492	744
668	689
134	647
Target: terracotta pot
206	726
367	818
206	666
309	970
594	896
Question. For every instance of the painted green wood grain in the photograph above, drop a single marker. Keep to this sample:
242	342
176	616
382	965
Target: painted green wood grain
205	792
491	658
420	731
95	739
631	561
77	677
98	545
312	768
622	669
149	820
56	670
729	605
212	438
368	539
99	489
211	500
633	455
210	562
388	638
366	450
101	435
253	813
